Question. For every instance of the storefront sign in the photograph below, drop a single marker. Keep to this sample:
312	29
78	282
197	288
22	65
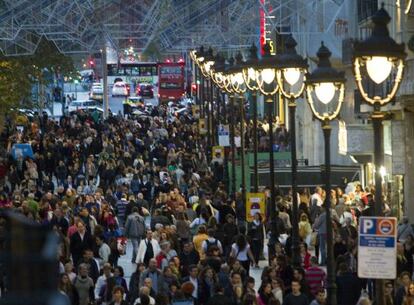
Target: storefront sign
377	248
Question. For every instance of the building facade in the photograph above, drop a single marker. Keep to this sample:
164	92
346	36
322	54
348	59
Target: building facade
352	139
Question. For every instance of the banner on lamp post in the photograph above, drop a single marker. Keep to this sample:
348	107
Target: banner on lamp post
224	135
342	138
255	203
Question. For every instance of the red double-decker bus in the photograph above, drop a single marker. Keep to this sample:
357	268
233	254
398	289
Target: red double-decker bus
171	81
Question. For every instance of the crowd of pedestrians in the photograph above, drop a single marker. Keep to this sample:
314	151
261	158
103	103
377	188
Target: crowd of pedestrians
147	181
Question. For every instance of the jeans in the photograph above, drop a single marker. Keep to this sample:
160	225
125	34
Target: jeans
135	244
322	248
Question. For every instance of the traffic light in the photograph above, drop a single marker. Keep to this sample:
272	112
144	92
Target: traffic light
91	63
194	88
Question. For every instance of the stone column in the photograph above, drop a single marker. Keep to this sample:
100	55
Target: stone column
409	164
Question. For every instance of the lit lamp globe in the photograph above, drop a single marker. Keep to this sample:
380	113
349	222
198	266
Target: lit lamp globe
266	72
378	62
235	75
323	85
249	71
227	76
291	70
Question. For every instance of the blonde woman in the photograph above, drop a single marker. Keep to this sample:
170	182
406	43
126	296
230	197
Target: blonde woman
305	229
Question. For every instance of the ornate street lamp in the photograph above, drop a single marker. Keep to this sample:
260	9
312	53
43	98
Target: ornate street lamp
266	72
235	75
291	79
378	69
218	71
207	63
250	78
199	55
325	88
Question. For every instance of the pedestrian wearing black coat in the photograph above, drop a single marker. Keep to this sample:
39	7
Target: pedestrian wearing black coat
79	242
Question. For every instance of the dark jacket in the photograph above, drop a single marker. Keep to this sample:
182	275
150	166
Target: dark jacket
61	223
204	291
219	299
160	283
399	295
77	245
348	289
187	259
133	287
123	302
159	219
255	232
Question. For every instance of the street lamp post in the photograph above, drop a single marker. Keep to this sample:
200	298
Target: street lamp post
193	56
233	146
250	79
378	65
198	58
217	77
291	78
221	79
235	84
266	72
324	85
206	67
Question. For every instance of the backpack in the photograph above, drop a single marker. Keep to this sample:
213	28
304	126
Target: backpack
141	226
211	243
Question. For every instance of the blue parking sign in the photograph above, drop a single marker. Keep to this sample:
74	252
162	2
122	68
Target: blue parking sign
377	247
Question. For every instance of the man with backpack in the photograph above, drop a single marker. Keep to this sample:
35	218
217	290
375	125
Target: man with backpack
135	230
211	241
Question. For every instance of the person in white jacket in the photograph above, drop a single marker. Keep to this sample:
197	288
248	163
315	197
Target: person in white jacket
148	248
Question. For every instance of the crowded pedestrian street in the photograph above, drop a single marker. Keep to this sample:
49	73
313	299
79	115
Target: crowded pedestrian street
206	152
